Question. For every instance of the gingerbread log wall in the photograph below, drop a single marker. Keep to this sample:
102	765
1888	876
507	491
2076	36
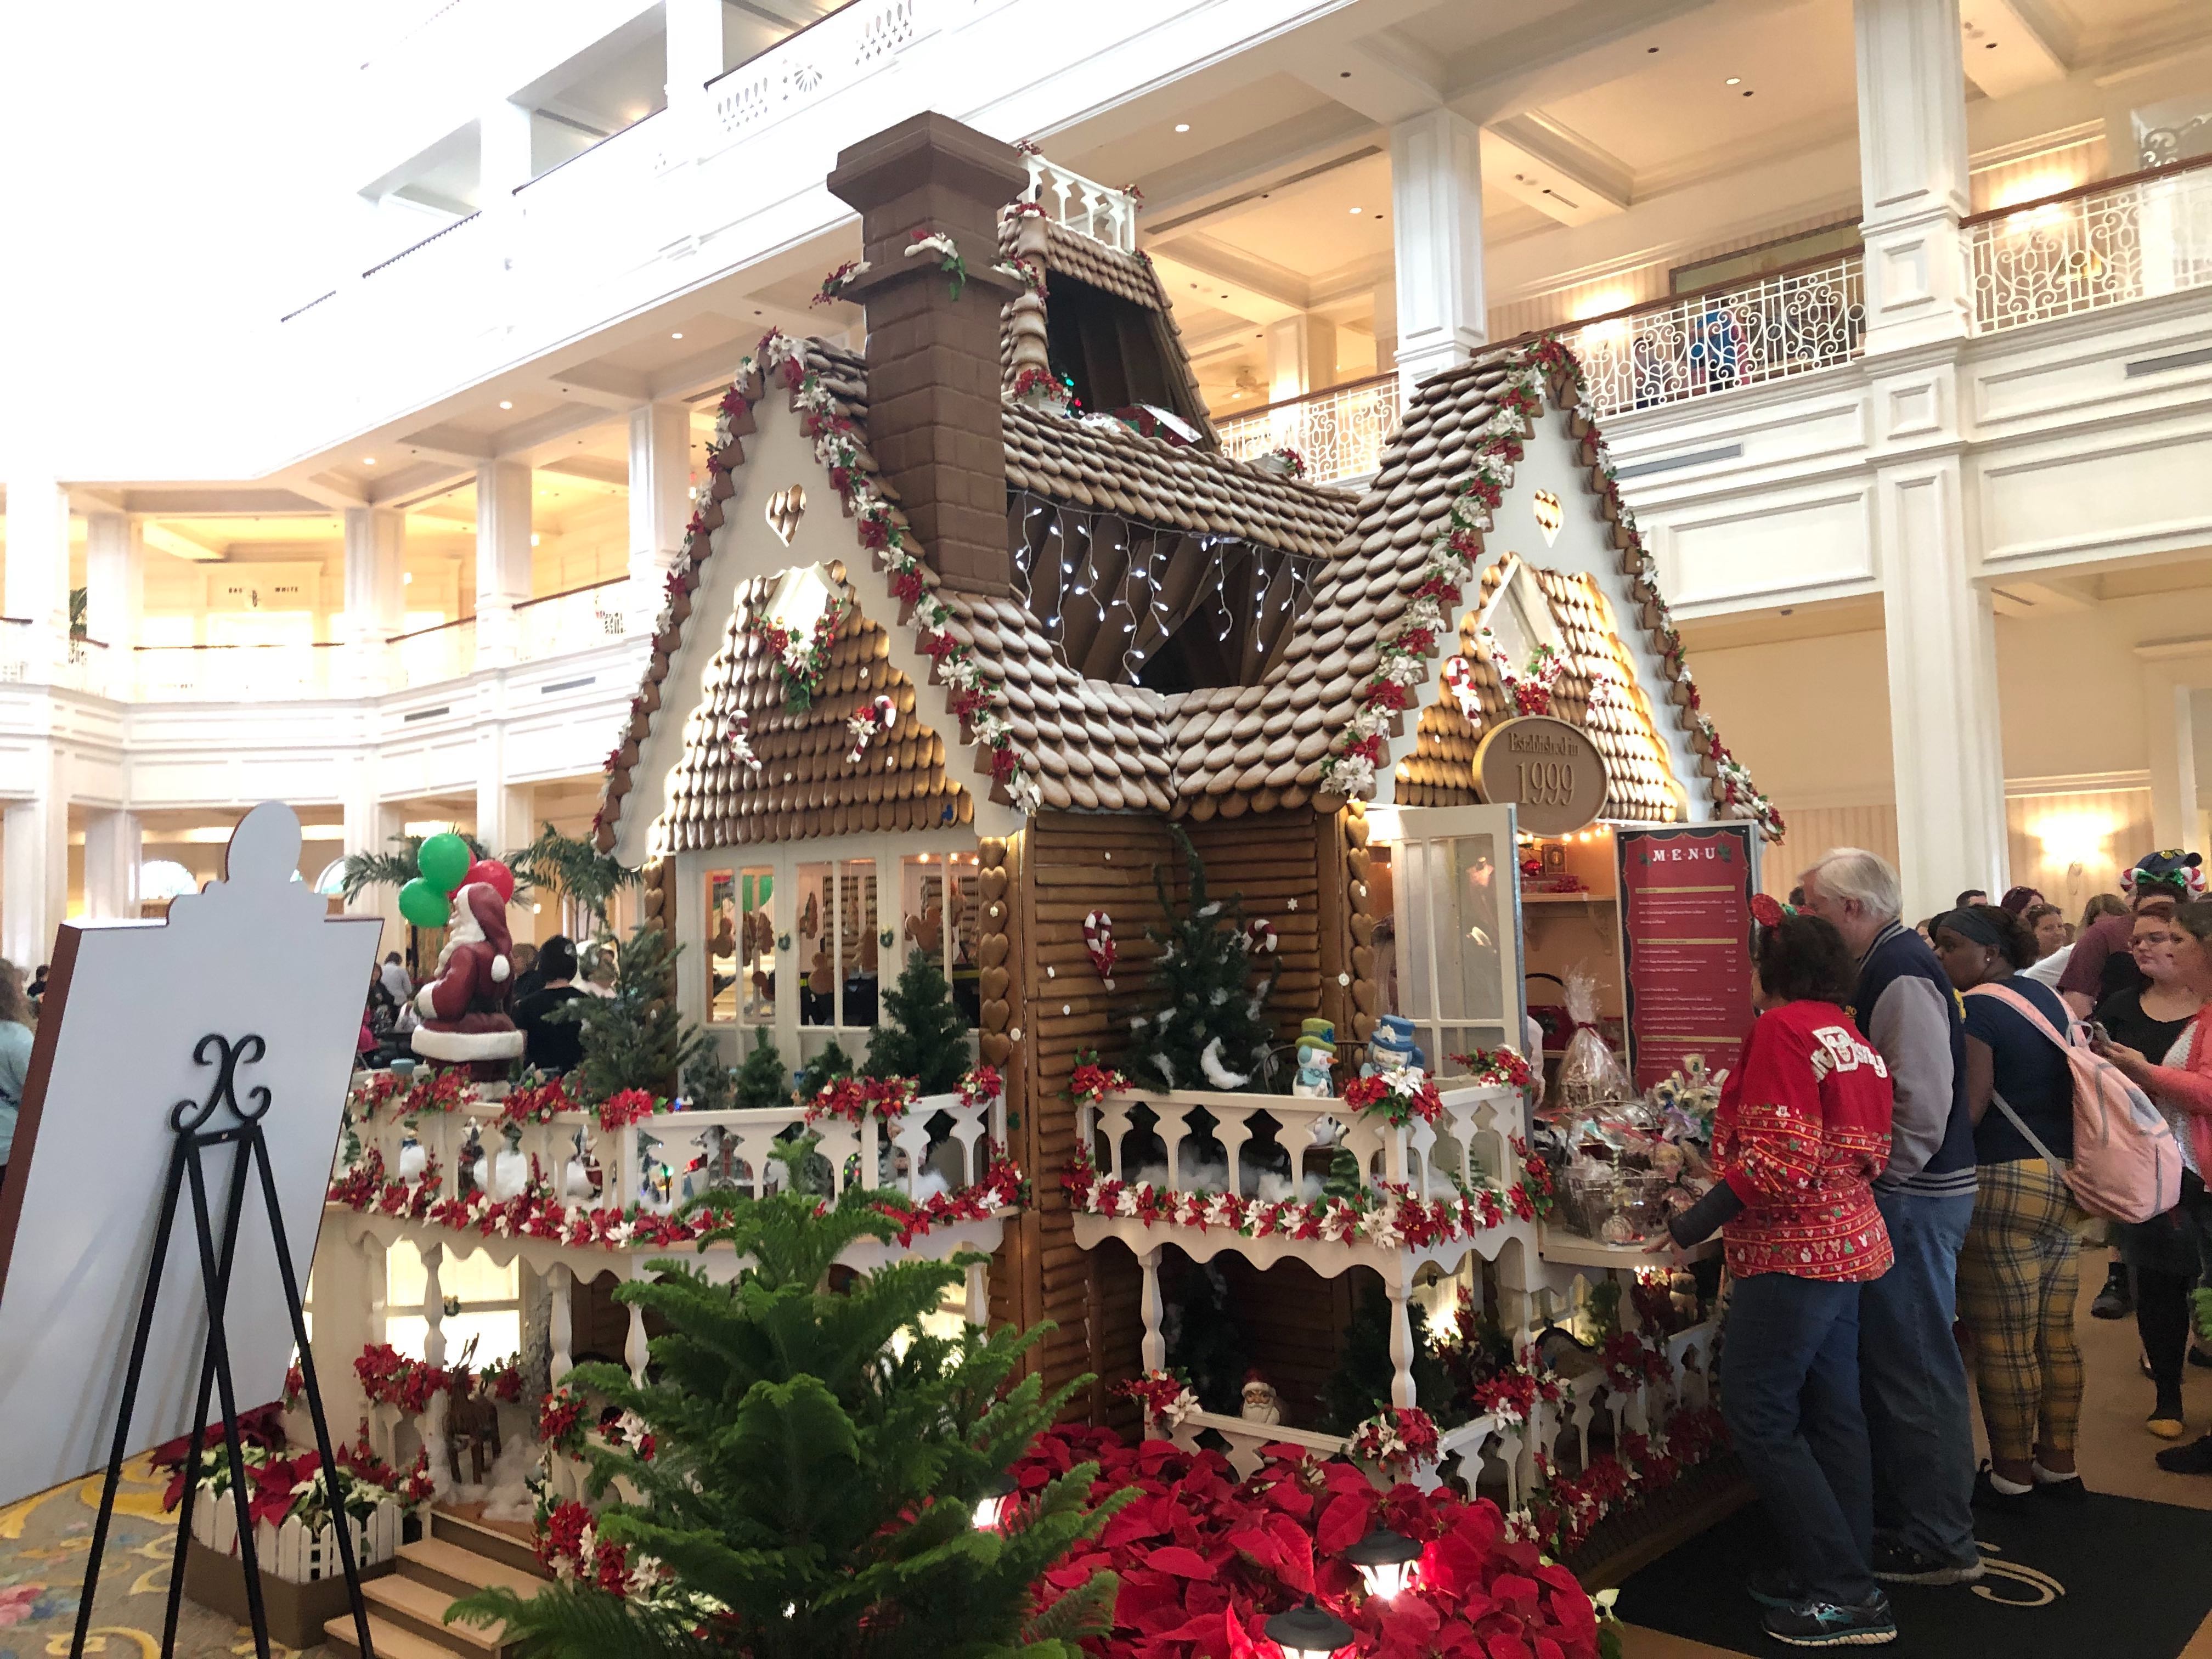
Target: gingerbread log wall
1013	1292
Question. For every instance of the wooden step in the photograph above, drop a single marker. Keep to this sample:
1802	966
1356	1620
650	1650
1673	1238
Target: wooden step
491	1539
420	1609
460	1571
391	1641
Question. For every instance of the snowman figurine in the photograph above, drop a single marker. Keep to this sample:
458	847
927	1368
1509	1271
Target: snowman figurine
1316	1054
1392	1046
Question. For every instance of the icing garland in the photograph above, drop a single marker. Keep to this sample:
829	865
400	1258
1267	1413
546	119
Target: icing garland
1531	687
535	1213
1394	1219
834	284
921	240
977	699
802	660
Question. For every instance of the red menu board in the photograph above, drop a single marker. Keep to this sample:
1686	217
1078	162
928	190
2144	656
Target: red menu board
1685	933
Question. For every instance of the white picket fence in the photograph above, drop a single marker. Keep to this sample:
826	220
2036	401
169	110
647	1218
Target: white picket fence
293	1552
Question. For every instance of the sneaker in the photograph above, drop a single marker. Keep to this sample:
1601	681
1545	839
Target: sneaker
2116	1300
2062	1488
1774	1587
2195	1458
1824	1625
1893	1563
2165	1420
1989	1498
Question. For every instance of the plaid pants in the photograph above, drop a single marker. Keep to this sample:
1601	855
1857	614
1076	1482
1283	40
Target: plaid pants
2018	1278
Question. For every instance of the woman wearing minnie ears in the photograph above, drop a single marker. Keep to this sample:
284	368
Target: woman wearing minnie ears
1801	1131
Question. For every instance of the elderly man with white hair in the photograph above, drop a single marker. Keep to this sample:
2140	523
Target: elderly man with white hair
1919	1419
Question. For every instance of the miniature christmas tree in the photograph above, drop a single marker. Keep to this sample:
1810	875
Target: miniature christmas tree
763	1081
925	1039
635	1039
1210	1030
1361	1382
809	1490
825	1068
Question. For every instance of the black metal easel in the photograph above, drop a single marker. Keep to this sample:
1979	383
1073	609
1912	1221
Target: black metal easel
189	1121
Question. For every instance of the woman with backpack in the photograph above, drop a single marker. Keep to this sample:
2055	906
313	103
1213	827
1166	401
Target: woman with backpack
2168	1253
2019	1272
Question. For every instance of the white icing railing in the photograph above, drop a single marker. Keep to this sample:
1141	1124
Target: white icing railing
1339	433
659	1161
1257	1145
1083	205
1472	1442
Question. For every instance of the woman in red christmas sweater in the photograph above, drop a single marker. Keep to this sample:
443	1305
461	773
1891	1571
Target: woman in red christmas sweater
1802	1128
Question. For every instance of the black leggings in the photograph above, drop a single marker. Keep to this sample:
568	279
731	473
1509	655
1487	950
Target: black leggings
2162	1321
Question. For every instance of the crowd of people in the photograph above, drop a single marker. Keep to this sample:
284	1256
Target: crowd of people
1897	1197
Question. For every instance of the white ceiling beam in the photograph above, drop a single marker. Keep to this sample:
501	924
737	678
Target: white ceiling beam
2011	45
169	539
1241	168
1256	289
1592	44
322	494
1555	170
1385	75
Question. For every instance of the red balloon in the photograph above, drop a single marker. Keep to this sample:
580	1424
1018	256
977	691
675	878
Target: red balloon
493	874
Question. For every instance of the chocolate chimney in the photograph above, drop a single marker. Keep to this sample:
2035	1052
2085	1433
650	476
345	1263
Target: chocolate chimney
934	419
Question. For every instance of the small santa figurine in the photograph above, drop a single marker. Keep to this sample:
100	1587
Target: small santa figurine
463	1008
1261	1403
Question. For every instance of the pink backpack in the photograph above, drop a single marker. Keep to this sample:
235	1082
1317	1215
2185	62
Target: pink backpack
2127	1164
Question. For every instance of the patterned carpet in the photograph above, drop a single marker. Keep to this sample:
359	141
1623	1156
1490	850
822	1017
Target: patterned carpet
43	1544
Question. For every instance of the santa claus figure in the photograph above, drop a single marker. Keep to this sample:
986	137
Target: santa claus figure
463	1008
1261	1403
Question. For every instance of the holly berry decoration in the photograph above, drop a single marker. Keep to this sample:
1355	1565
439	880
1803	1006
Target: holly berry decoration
1098	941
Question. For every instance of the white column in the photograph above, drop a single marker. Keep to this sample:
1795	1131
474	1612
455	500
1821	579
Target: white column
560	1284
1912	170
38	571
2172	673
660	503
1300	356
1403	1392
1944	724
34	867
694	30
1435	200
115	849
114	580
1152	1347
349	1279
502	557
376	597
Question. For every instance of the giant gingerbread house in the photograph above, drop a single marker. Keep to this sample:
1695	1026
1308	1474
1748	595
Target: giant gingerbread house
967	618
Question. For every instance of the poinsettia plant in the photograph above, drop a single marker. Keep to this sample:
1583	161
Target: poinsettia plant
1494	1066
625	1107
1165	1397
801	661
560	1421
849	1099
1091	1082
1396	1096
1206	1559
1394	1439
981	1086
537	1100
283	1485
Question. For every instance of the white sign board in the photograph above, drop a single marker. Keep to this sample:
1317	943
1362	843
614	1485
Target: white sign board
126	1005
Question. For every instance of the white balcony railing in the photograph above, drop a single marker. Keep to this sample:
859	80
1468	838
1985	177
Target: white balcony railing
445	652
1098	211
1792	322
227	673
811	65
1339	433
575	620
941	1145
2102	245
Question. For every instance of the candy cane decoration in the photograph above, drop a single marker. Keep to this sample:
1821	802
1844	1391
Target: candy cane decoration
868	719
741	743
1263	936
1099	941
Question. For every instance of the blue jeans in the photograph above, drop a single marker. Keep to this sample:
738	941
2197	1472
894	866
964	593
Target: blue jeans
1915	1383
1790	1392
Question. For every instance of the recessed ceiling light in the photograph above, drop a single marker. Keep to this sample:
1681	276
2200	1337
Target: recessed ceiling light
1358	210
1735	80
506	404
405	577
533	538
368	460
1183	126
677	335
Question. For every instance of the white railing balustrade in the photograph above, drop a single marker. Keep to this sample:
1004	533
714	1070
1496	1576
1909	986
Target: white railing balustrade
193	673
938	1145
2132	239
1259	1146
84	666
1083	205
804	68
1790	323
575	620
445	652
1478	1442
1339	433
15	638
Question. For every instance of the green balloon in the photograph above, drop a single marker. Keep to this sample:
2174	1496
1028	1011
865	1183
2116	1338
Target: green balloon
422	904
444	860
